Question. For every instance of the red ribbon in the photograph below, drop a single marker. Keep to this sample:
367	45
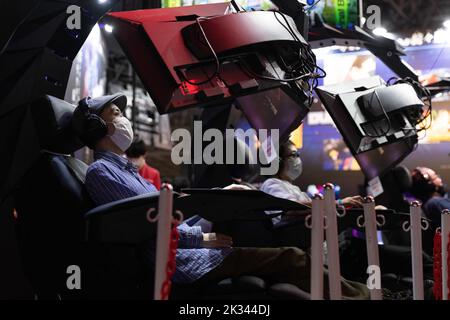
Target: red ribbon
437	266
171	263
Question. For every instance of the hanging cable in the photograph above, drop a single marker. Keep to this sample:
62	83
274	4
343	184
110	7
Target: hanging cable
216	58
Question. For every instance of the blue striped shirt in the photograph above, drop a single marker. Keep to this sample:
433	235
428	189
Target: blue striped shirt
112	177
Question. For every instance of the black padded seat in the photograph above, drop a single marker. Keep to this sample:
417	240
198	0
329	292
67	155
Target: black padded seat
57	227
243	287
287	291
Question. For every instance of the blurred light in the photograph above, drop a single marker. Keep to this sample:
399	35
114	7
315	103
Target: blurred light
441	35
102	1
380	31
108	28
369	65
390	35
312	190
322	52
404	42
428	38
447	24
417	39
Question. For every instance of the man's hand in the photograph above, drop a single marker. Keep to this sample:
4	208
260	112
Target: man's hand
216	240
356	201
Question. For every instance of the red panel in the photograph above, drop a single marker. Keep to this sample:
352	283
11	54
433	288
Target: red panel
238	30
164	31
164	14
147	63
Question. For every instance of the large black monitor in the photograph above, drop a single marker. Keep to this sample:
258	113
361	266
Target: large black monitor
378	122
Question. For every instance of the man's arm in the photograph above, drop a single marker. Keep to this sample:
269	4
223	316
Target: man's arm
190	237
193	237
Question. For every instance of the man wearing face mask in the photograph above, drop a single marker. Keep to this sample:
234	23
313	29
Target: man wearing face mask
282	185
201	257
100	124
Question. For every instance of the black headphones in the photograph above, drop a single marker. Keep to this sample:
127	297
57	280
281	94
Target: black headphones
89	126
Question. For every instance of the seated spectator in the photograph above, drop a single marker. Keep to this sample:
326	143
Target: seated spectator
282	185
201	256
180	183
137	154
429	188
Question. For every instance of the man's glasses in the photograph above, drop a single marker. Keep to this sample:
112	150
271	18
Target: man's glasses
295	154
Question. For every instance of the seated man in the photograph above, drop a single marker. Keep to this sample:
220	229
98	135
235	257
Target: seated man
200	257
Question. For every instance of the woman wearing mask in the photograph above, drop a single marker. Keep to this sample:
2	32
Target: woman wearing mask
282	185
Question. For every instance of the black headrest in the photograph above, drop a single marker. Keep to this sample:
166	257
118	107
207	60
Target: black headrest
403	177
240	170
52	119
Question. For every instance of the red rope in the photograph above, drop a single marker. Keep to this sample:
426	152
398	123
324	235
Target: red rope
448	268
437	266
171	263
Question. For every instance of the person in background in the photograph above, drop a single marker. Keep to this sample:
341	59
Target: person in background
428	187
137	153
282	185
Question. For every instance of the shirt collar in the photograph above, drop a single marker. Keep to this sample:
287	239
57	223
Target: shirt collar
115	158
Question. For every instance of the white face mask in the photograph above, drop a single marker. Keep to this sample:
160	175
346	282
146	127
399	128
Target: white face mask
123	133
294	168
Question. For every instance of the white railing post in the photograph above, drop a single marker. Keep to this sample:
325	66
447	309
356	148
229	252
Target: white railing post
445	231
416	248
317	227
334	269
164	218
370	226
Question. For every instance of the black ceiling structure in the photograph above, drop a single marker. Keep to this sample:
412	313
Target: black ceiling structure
404	17
37	47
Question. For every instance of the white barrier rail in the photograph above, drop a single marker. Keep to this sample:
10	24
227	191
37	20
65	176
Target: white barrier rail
164	218
416	249
334	269
445	231
370	226
317	226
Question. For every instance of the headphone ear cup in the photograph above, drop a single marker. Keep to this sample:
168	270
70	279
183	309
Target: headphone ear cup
96	128
88	125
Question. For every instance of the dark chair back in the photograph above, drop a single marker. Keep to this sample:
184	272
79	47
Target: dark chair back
50	204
